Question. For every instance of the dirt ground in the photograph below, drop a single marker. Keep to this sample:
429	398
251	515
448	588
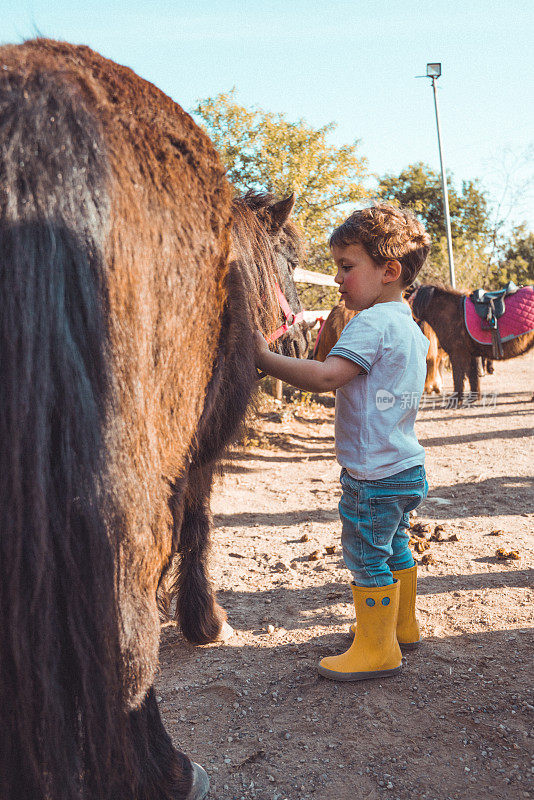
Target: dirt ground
457	721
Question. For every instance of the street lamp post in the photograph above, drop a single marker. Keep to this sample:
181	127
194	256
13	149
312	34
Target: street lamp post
433	72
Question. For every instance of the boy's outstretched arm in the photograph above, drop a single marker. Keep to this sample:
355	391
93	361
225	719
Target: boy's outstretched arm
311	376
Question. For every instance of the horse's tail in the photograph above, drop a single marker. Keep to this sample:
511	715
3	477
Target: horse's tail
63	724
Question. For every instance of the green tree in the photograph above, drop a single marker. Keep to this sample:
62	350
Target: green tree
265	151
516	262
418	187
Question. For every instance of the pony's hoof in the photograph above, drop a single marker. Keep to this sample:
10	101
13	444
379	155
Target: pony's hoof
201	783
226	632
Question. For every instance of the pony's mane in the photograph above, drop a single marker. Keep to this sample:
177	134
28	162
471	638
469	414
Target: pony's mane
254	253
442	289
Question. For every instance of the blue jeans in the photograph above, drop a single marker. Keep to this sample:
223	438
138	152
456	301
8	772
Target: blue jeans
375	520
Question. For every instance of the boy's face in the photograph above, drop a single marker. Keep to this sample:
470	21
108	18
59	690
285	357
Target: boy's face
361	281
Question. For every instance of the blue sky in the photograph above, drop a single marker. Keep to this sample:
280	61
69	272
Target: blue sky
353	63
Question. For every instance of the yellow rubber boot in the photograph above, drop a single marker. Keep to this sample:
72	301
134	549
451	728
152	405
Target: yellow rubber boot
375	652
408	631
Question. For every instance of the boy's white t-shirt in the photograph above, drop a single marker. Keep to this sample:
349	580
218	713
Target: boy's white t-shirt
376	410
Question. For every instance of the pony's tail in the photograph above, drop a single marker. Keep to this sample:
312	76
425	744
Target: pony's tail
63	724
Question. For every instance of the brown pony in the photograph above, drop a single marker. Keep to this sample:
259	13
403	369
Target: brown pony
125	343
264	248
331	330
340	316
442	308
434	361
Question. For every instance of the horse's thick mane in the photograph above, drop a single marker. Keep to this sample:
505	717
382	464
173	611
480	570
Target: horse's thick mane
253	249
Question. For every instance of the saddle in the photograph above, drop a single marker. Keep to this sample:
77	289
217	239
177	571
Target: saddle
490	306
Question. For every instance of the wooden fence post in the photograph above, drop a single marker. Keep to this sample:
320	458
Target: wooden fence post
274	387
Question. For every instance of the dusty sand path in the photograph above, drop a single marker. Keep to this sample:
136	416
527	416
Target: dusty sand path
457	722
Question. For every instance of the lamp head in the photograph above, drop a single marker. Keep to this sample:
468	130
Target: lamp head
433	70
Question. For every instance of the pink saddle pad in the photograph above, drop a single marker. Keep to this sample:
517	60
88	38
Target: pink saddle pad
517	319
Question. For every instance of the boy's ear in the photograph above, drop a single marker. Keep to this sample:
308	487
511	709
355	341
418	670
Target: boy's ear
393	270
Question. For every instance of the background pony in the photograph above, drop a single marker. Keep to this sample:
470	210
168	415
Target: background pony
443	309
340	316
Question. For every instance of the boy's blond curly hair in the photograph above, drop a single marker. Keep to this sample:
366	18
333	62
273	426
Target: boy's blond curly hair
386	233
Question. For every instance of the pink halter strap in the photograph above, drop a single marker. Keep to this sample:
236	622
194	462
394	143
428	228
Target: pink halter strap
290	317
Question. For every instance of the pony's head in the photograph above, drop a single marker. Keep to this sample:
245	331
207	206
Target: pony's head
430	300
267	246
420	299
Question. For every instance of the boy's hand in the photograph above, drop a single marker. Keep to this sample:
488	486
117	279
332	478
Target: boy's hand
260	347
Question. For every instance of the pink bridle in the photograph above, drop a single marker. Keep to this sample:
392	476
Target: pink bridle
290	317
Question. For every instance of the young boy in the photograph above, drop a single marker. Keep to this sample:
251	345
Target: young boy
378	370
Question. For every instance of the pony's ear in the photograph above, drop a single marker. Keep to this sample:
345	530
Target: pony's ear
281	211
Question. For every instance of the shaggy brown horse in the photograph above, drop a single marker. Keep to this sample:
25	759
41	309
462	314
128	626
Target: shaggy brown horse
264	245
340	316
443	309
434	361
331	330
125	345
